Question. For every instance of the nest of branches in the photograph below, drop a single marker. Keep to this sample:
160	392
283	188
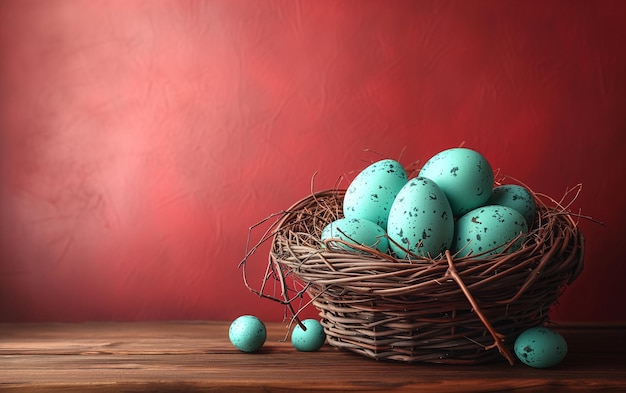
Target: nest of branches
443	310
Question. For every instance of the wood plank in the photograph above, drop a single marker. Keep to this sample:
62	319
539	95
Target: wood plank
197	356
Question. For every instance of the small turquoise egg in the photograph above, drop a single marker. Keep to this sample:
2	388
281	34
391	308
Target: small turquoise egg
516	197
487	230
247	333
357	231
540	347
464	175
420	220
308	340
370	195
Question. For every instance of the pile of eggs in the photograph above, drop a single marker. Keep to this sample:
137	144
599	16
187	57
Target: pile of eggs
451	205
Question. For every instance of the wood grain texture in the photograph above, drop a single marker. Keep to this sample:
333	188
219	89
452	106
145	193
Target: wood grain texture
197	357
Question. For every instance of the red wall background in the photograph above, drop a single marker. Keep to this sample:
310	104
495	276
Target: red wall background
141	139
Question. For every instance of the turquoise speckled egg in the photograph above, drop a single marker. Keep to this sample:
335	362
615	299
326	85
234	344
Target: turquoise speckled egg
357	231
488	228
516	197
464	175
420	220
308	340
540	347
247	333
370	195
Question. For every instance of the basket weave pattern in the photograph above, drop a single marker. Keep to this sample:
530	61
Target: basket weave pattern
444	310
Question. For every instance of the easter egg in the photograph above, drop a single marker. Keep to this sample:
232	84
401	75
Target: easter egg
247	333
464	175
487	230
540	347
308	340
356	231
370	195
420	220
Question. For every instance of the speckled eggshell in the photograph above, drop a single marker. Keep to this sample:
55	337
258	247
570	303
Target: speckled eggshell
540	347
247	333
488	228
357	231
308	340
370	195
420	220
464	175
516	197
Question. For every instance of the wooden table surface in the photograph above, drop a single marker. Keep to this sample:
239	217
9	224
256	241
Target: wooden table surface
197	356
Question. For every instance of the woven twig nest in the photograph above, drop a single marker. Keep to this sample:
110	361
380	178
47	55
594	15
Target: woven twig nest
443	310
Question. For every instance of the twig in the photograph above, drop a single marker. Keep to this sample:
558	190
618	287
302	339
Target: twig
497	337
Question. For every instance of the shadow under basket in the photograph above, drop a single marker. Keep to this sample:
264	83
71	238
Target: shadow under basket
444	310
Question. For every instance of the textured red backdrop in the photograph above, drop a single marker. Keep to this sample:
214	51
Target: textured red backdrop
141	139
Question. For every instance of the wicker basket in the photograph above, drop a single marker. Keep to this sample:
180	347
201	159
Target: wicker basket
446	310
